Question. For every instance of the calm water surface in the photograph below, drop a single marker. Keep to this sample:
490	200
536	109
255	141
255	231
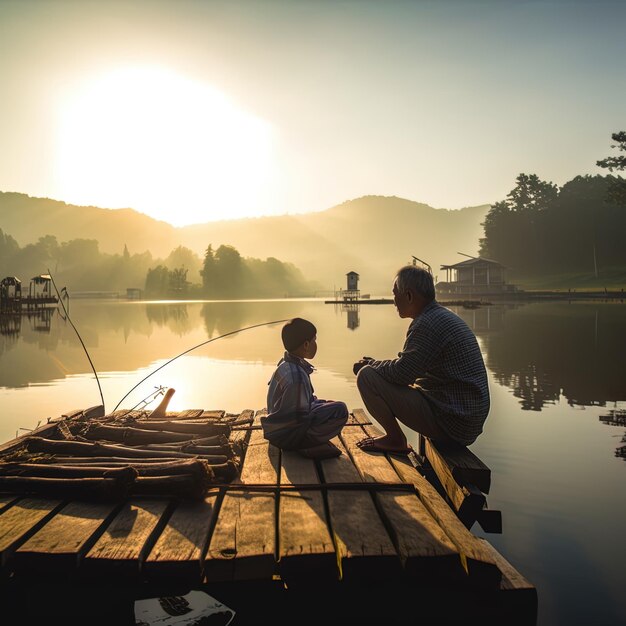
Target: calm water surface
557	377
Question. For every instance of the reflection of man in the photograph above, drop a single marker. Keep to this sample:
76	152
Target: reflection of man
438	384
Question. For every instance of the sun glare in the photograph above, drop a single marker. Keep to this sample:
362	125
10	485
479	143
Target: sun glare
163	144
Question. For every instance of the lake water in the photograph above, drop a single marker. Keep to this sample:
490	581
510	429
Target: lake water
557	375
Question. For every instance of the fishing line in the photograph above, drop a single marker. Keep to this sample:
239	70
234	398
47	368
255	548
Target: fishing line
67	317
232	332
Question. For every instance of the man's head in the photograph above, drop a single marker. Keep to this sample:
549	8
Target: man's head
299	337
413	289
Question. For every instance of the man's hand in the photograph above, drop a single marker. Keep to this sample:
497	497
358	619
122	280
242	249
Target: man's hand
366	360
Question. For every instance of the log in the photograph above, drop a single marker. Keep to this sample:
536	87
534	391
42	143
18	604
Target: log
184	486
132	436
101	488
191	448
224	472
204	429
63	471
50	446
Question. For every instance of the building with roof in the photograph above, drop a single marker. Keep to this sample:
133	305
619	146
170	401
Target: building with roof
476	275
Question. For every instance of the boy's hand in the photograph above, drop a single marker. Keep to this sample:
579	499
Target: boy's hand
366	360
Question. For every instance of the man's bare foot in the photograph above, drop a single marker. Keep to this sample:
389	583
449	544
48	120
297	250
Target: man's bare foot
383	444
159	412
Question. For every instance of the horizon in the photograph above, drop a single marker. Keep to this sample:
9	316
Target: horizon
208	111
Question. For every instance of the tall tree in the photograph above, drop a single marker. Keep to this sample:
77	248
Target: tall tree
208	272
617	190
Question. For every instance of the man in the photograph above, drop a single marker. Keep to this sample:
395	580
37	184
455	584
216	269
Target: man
438	384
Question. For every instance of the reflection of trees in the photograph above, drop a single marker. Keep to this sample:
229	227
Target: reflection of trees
557	349
173	316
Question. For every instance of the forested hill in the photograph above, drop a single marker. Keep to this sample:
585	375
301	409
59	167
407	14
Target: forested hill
372	235
26	219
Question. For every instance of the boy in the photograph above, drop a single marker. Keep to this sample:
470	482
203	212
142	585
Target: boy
296	419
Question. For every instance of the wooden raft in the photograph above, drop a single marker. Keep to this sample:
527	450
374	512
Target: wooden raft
357	518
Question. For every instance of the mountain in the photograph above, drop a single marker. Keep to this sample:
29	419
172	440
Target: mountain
371	235
26	219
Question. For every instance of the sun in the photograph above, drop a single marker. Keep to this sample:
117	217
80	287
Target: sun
172	147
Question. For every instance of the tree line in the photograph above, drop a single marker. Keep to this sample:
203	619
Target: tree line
541	228
80	266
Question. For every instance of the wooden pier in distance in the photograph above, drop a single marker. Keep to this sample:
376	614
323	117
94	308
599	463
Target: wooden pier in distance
365	536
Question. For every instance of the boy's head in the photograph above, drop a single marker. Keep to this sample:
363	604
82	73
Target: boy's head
296	333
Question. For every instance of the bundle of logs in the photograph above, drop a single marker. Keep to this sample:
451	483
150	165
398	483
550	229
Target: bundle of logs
112	458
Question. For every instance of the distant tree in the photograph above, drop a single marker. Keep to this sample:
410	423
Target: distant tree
514	227
229	273
157	281
8	250
178	283
617	190
208	272
184	257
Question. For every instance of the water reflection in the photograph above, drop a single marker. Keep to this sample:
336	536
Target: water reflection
541	351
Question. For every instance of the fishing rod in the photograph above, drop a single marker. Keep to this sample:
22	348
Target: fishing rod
67	317
232	332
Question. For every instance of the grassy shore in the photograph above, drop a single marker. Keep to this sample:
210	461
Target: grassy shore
611	279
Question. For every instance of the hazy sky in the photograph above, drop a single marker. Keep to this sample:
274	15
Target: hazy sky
195	111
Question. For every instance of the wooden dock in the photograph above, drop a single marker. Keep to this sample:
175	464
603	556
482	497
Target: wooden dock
359	537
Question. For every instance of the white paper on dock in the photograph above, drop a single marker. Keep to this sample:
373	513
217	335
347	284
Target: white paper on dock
185	610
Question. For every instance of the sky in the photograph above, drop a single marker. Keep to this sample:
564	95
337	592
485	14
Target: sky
194	111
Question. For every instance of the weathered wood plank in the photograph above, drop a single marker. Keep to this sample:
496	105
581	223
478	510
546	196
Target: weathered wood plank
122	546
467	500
23	520
190	414
423	546
243	544
6	501
459	462
59	545
216	415
364	549
358	416
305	547
373	466
478	562
178	551
519	595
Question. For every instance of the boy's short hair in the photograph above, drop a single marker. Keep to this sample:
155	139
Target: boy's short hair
296	331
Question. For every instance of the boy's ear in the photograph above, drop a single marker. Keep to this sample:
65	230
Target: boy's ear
409	295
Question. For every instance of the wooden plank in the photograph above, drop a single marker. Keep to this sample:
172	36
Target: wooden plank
243	544
6	502
213	414
177	553
364	548
189	414
358	416
423	546
519	595
460	462
122	546
372	466
59	545
467	500
305	547
477	561
21	521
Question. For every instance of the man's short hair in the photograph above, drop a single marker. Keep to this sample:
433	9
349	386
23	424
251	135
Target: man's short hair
418	279
296	331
